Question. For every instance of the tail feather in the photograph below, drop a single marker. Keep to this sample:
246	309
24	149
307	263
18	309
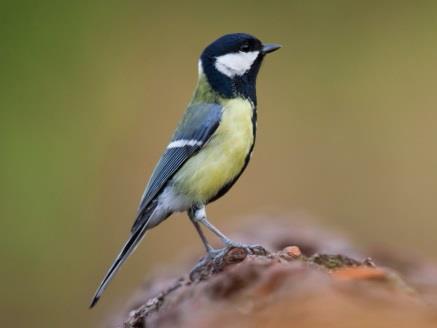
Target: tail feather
127	249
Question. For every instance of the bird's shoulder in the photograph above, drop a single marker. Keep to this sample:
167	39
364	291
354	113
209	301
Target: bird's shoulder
198	120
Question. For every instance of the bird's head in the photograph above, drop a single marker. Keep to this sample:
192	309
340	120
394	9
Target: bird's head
231	64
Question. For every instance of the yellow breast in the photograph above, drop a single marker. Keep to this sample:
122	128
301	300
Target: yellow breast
222	158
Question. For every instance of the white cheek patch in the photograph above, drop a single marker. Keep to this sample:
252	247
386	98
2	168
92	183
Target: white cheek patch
236	63
200	68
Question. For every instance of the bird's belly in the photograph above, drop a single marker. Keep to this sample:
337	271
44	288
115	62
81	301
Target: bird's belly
222	159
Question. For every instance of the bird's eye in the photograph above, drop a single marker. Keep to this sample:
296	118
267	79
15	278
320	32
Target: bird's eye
245	47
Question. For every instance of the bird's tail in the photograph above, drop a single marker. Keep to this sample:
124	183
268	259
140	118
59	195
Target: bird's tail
127	249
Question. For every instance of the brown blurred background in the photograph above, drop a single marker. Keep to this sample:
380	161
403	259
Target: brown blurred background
91	92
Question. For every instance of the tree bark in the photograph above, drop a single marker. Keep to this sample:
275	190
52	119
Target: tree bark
306	277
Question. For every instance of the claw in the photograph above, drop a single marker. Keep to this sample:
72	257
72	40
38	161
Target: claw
203	265
217	259
214	252
251	249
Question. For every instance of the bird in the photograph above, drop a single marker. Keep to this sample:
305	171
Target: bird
211	147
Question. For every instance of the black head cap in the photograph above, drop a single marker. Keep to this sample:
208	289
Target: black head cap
230	43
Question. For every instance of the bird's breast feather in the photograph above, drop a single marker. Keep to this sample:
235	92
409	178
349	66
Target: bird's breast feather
223	157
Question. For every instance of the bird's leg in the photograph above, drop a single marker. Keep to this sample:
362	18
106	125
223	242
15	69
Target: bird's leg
209	249
212	253
199	215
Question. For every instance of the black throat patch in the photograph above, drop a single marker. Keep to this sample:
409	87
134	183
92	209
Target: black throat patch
238	86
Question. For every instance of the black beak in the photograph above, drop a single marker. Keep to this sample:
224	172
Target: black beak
270	47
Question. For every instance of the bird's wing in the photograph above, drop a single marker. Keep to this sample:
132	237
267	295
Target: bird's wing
194	131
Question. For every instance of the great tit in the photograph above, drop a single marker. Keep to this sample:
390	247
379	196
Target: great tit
211	146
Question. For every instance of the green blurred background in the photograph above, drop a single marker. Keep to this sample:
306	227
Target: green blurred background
91	91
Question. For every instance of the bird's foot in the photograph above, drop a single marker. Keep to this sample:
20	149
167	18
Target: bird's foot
206	261
252	249
217	259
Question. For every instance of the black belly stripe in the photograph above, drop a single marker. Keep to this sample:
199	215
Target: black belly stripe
229	185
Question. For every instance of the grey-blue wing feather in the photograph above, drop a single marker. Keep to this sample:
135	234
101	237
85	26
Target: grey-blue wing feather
198	124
